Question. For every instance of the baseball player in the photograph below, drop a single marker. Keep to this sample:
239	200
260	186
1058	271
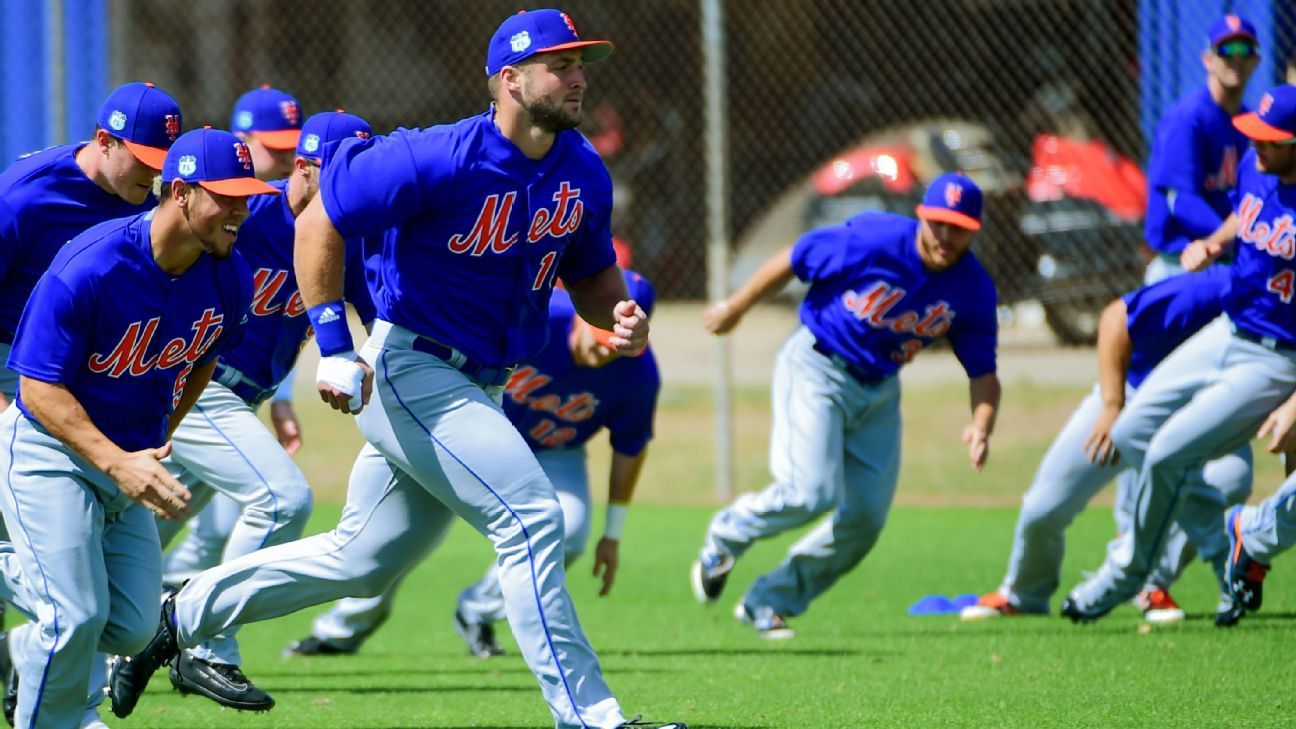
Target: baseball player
558	400
882	287
1257	534
1212	394
1136	332
477	220
1194	160
222	445
270	122
119	338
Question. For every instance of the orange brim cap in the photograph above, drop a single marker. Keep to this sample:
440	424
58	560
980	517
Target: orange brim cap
1251	125
239	187
148	156
593	50
281	139
945	215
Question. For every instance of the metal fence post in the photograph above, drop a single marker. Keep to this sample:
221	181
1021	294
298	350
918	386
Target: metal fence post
717	259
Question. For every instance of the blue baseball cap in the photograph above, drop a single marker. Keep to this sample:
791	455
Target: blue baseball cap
270	116
1231	27
326	127
952	198
1274	119
216	160
144	117
539	31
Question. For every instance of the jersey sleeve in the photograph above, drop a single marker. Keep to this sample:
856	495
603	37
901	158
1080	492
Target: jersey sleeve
820	253
355	282
1177	163
975	338
51	344
368	185
630	427
591	251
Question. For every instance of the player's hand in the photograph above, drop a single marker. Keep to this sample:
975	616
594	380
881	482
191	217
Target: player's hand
630	325
1099	445
287	428
606	559
978	443
1278	429
720	317
337	380
141	476
1198	255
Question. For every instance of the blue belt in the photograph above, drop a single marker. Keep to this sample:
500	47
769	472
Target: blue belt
1267	342
859	374
488	376
241	385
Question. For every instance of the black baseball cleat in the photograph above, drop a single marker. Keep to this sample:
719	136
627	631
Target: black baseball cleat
480	637
312	646
1073	611
223	683
8	674
130	674
1244	575
1228	612
708	576
638	723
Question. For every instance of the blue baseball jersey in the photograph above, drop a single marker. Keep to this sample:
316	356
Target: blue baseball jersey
123	335
277	325
556	404
1164	315
52	201
1260	295
872	302
472	232
1192	169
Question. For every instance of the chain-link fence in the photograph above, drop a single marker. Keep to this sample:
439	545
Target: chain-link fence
833	106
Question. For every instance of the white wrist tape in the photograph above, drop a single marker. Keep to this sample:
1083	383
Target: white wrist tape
615	521
341	372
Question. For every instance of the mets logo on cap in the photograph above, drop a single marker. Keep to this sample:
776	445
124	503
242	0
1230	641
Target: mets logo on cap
290	112
1234	22
1266	103
172	126
244	155
572	26
953	194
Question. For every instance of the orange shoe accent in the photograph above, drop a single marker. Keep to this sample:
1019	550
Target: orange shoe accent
996	601
1156	599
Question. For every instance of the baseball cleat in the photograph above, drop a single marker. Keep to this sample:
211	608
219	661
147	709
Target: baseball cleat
130	674
223	683
638	723
1070	609
8	674
988	607
1158	607
1243	575
1228	612
769	624
313	646
480	637
708	576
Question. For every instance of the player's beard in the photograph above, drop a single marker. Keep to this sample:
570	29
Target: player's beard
551	117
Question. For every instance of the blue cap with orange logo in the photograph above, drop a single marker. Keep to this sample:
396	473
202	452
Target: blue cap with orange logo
144	117
1274	119
539	31
952	198
216	160
326	127
1231	27
270	116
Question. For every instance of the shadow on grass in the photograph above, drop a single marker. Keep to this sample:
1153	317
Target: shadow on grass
772	649
400	689
360	671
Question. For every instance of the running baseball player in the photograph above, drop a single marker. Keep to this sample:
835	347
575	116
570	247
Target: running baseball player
1194	160
1135	333
222	446
477	220
270	122
882	287
558	400
119	338
1213	393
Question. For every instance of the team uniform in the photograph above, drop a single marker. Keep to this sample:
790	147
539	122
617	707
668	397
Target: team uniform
558	407
1209	396
1159	318
122	336
872	306
1191	171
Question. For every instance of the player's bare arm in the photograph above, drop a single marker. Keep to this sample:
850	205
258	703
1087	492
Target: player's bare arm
602	300
984	392
722	316
197	382
344	380
1201	253
1114	351
138	474
621	485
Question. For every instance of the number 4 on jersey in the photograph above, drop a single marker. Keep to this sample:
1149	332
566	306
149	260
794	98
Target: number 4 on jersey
1281	284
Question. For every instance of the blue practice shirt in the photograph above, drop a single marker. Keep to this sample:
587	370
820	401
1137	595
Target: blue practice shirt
1260	295
1165	314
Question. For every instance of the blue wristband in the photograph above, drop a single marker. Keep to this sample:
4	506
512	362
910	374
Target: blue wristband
330	324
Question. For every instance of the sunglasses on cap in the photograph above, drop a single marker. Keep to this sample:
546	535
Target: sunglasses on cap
1236	49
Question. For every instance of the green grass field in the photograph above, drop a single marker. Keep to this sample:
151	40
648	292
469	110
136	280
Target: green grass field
858	659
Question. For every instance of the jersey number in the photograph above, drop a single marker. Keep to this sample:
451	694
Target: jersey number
546	266
549	435
1281	284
